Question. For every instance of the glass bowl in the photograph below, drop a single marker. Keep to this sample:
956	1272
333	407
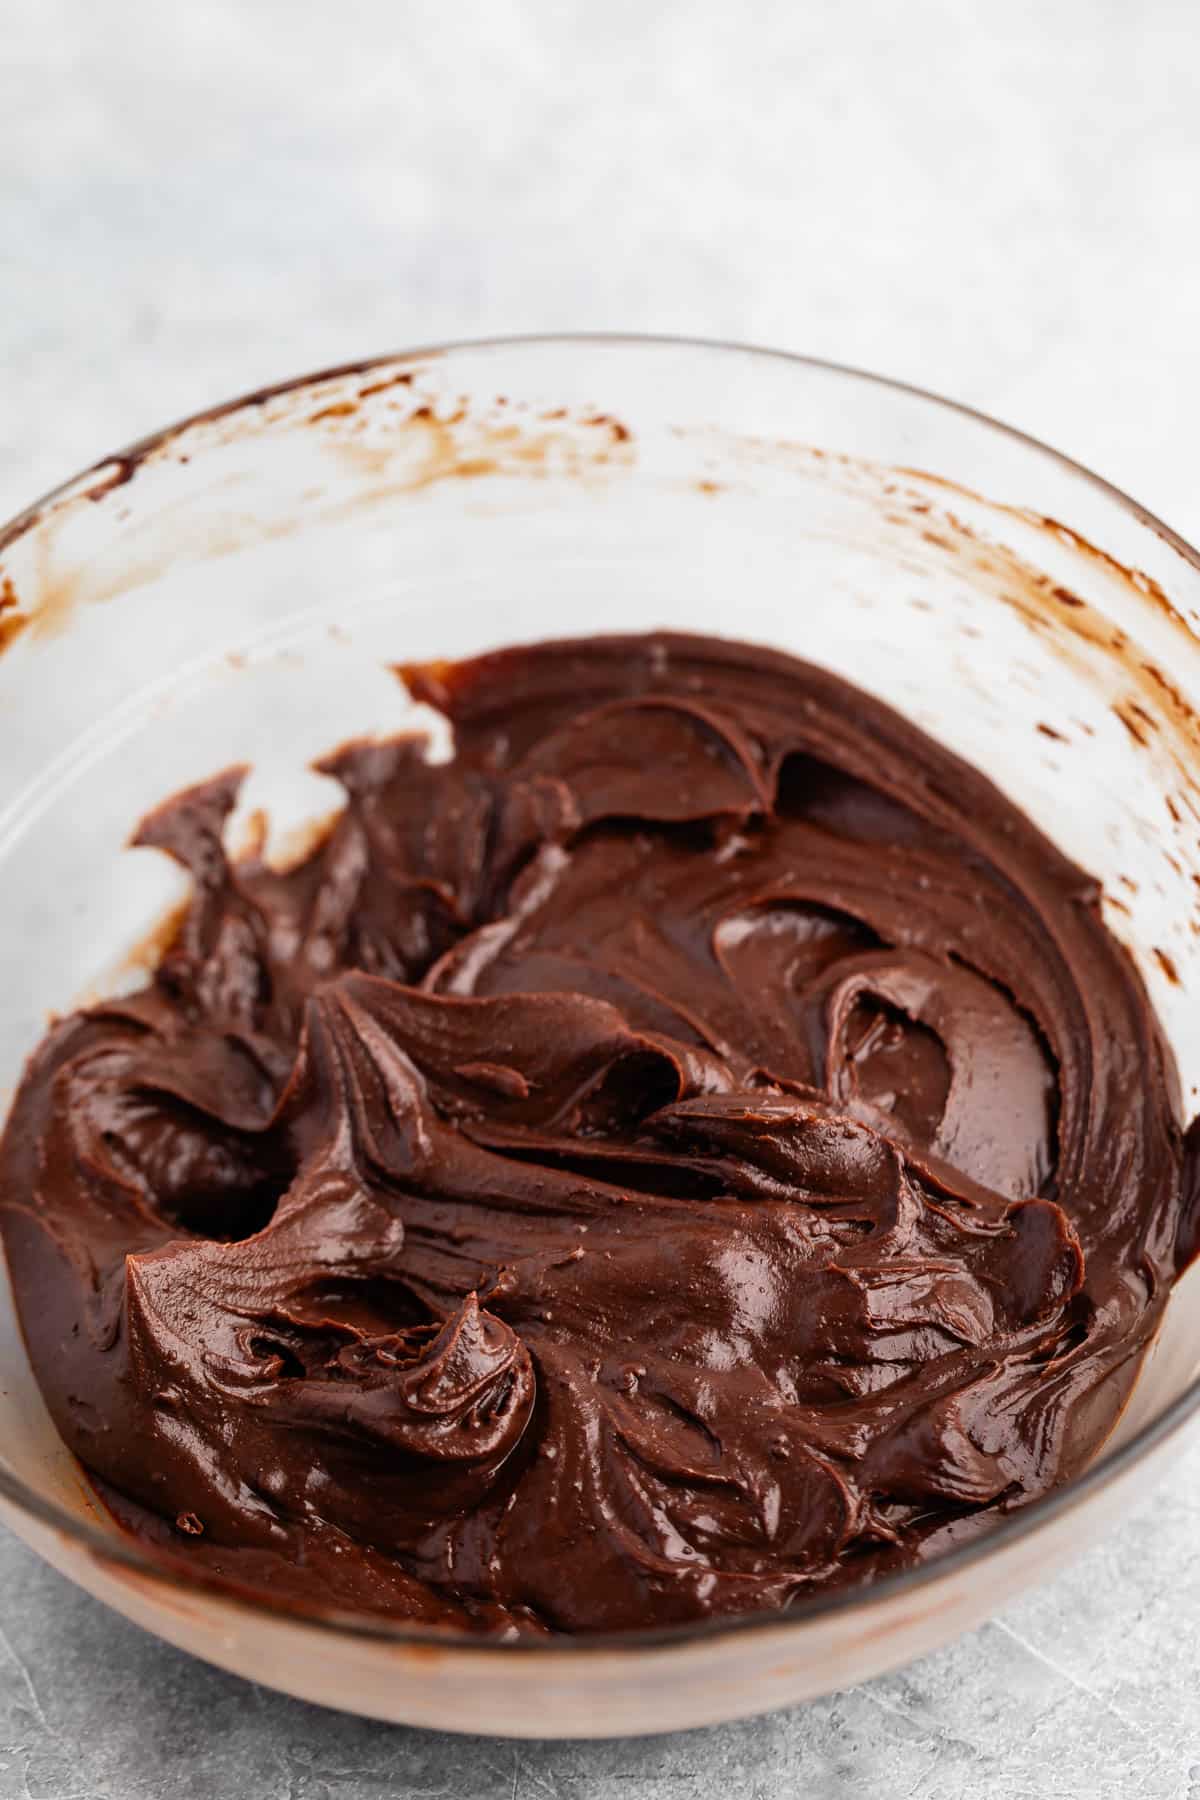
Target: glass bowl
236	588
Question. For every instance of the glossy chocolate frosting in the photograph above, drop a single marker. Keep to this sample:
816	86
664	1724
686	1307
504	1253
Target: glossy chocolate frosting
696	1147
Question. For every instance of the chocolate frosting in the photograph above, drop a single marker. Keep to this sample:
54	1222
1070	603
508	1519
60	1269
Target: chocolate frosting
696	1147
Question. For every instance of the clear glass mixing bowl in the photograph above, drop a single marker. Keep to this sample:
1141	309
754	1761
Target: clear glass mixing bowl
235	589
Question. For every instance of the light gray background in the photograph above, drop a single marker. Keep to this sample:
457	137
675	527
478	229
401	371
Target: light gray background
1000	201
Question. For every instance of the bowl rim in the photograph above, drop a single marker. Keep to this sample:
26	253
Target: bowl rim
125	1553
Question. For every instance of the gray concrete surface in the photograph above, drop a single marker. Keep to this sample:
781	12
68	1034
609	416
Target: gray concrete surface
998	200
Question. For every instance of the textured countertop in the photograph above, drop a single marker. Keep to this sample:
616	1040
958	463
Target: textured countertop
998	201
